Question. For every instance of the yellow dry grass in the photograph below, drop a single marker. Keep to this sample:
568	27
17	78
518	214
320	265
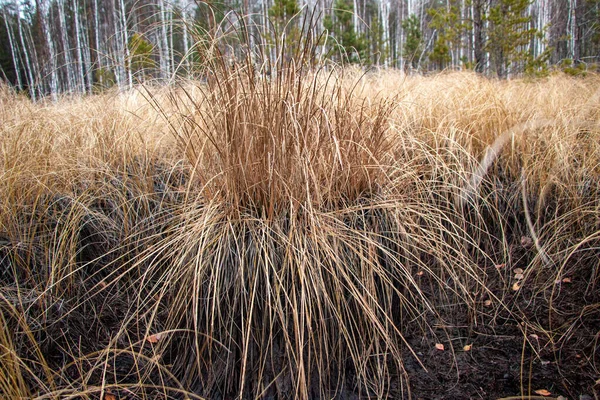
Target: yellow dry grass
274	228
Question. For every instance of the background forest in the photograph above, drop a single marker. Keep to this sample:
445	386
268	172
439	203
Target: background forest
49	47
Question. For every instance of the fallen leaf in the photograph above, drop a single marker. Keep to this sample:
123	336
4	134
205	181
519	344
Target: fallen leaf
487	303
516	286
419	273
500	266
467	347
154	338
519	276
566	280
543	392
534	336
109	396
439	346
518	270
526	241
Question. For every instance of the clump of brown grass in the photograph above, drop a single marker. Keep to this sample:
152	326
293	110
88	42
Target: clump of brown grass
286	235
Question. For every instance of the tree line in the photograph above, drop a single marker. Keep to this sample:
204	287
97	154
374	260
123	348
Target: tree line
49	47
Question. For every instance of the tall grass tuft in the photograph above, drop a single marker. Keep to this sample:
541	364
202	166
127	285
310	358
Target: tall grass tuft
291	229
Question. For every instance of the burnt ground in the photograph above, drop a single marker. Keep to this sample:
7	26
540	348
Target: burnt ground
540	340
543	336
502	362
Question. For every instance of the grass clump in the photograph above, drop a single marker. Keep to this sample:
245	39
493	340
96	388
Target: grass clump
310	233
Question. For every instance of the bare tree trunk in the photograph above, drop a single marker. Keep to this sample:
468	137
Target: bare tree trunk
186	39
13	51
171	47
28	65
71	79
87	59
118	52
478	36
97	35
44	12
125	36
165	70
572	30
78	50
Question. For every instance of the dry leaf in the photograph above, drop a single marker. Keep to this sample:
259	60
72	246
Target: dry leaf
109	396
419	273
519	276
518	270
154	338
500	266
516	286
487	303
534	336
526	241
543	392
439	346
566	280
467	347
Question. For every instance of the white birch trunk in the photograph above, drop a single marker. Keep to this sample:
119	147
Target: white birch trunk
571	28
78	49
87	58
117	51
71	79
97	35
186	40
125	36
28	64
13	52
45	18
164	42
171	47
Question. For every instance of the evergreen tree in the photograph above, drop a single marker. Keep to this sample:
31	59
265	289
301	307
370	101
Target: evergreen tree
413	46
140	53
281	15
509	34
347	43
446	22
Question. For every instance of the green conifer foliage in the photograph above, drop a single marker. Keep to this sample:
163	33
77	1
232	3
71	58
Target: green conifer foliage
413	46
348	46
446	22
140	51
509	33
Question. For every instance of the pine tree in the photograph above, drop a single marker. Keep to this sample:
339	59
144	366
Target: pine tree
413	46
509	34
281	15
140	55
446	22
347	44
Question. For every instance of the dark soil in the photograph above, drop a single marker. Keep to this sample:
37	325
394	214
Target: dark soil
545	335
544	340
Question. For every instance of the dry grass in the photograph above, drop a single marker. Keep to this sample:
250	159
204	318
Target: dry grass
288	236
